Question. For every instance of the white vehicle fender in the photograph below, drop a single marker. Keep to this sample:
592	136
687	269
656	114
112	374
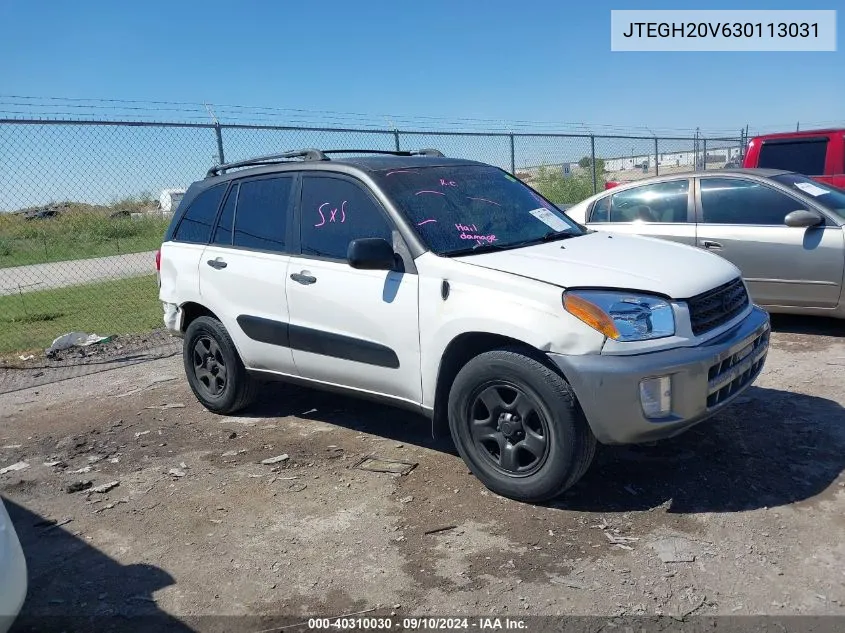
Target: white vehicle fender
533	314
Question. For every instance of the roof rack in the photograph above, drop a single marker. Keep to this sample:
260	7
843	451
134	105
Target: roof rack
304	154
413	152
312	154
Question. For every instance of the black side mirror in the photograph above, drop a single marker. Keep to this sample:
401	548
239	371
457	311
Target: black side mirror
802	219
371	253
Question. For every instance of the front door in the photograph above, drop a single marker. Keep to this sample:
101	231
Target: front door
358	328
743	221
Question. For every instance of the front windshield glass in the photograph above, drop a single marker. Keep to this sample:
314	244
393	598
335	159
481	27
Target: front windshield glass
827	196
473	208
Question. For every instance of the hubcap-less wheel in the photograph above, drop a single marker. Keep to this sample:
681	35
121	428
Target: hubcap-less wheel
209	366
508	429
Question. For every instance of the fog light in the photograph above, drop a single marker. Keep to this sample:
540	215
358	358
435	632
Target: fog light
656	396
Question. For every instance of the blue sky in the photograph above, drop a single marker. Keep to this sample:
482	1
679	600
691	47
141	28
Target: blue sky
538	61
434	64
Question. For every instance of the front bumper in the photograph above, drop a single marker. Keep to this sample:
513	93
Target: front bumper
704	380
13	578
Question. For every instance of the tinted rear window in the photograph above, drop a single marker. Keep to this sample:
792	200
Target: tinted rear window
198	220
458	207
804	156
261	214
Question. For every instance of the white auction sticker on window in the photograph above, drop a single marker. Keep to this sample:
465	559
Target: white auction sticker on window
549	219
813	190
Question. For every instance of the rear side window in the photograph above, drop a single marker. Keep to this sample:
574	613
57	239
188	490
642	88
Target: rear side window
223	232
737	201
198	220
660	202
806	156
261	214
601	210
335	212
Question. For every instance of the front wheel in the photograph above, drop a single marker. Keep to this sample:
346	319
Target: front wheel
518	426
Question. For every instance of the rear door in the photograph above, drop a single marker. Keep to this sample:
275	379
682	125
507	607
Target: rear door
663	209
351	327
244	268
743	221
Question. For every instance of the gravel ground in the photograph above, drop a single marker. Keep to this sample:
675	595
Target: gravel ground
742	515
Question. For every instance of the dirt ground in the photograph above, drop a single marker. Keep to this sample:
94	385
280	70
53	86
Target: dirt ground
742	515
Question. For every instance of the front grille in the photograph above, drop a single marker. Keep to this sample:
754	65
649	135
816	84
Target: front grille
718	306
730	375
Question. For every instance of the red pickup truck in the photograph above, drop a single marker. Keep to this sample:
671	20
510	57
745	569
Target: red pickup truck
819	154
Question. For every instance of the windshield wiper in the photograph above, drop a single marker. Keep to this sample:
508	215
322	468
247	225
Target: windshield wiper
551	236
476	250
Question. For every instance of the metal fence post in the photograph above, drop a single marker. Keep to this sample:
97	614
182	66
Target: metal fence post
593	163
396	139
704	148
656	158
513	156
219	134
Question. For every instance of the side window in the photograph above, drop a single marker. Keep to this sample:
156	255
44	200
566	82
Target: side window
223	232
806	156
660	202
261	214
737	201
198	220
601	210
333	213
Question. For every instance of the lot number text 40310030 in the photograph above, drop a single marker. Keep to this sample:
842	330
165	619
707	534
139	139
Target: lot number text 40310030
417	623
725	29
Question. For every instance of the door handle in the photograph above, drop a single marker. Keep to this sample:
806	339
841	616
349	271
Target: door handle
217	264
305	278
711	244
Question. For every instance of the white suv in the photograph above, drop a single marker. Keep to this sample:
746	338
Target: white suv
450	287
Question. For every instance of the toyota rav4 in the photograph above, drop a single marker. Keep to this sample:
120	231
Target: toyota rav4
450	287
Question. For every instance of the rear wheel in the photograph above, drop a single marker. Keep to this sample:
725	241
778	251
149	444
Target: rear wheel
518	426
214	369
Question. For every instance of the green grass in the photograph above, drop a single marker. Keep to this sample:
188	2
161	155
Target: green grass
80	231
32	320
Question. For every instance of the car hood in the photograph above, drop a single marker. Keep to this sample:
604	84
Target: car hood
604	260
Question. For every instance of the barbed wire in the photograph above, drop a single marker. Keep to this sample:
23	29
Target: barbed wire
195	111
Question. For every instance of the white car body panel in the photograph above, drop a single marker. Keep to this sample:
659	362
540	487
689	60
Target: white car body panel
13	573
253	283
373	306
600	260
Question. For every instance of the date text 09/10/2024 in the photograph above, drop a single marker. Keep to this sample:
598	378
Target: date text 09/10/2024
419	624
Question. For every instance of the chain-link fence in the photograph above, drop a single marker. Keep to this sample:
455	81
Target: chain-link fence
84	205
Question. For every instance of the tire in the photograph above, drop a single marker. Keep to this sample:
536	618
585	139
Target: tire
536	442
214	368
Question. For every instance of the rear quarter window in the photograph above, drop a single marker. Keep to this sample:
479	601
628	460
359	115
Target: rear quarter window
198	219
805	156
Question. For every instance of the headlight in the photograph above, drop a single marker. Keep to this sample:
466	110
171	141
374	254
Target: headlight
622	316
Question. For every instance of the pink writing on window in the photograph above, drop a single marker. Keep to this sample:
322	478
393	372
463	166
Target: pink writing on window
485	200
481	239
439	193
426	222
466	229
447	183
332	214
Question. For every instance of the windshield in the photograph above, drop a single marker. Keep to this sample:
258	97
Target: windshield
827	196
473	208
